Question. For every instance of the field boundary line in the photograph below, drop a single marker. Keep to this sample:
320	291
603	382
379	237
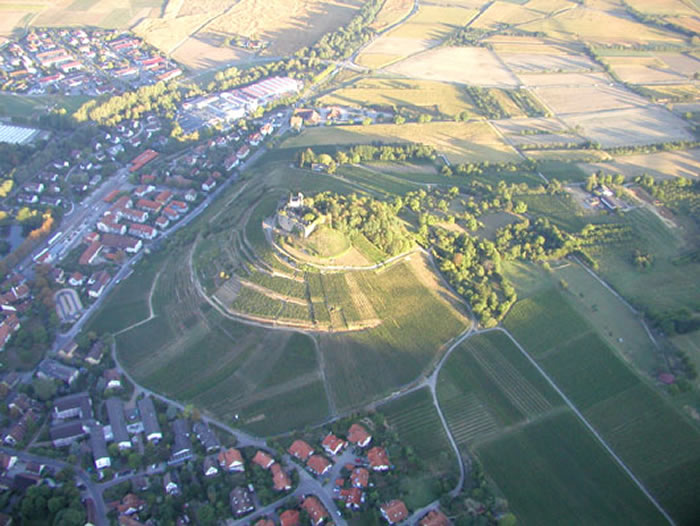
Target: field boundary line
585	422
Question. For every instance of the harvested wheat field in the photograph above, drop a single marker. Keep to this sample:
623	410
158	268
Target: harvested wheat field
542	63
630	126
286	25
644	70
391	12
458	64
566	99
663	165
206	50
563	79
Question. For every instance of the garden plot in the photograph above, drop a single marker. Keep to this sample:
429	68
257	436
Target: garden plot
458	64
662	165
572	99
630	126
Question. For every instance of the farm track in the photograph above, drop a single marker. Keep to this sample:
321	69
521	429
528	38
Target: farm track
151	315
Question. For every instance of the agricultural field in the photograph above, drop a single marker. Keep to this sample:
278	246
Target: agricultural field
391	12
169	34
603	24
285	25
500	409
414	418
416	97
583	485
534	61
459	141
663	165
364	365
457	64
669	284
653	69
629	126
100	13
425	29
205	50
655	441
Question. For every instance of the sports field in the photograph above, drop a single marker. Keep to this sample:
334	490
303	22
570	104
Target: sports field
459	141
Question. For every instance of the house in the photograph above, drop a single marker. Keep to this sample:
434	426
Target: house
19	404
231	460
394	511
243	152
91	252
130	504
358	435
76	279
210	467
179	206
137	216
308	117
171	213
162	222
261	522
97	349
182	447
148	205
171	483
117	422
263	460
113	378
209	184
289	518
317	513
18	431
332	444
241	501
255	139
119	242
163	197
231	162
110	225
151	428
206	436
66	433
98	445
52	369
318	464
300	450
100	281
143	190
142	231
133	421
434	518
353	498
190	196
359	477
280	480
76	405
378	459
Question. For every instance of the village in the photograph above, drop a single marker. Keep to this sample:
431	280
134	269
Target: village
81	62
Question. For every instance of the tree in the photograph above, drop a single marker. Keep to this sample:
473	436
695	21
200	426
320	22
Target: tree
399	119
44	388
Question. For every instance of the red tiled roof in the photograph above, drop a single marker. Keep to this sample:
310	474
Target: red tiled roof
394	511
359	477
434	518
318	464
265	522
378	458
280	479
352	496
263	460
357	434
300	450
229	457
315	509
332	444
289	518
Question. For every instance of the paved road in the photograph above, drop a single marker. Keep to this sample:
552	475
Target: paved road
91	488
